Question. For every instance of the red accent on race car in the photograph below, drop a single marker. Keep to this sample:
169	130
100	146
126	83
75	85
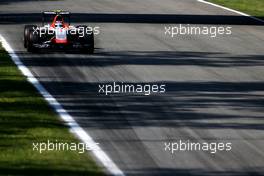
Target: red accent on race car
65	25
60	41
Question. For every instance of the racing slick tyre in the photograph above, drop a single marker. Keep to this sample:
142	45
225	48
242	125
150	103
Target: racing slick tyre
33	39
87	40
90	41
27	30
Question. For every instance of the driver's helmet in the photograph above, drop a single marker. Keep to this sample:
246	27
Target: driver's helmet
59	22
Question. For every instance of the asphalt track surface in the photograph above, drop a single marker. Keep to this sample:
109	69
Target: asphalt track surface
215	88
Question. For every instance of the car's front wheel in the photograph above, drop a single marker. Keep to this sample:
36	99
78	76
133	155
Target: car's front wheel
33	39
27	30
87	40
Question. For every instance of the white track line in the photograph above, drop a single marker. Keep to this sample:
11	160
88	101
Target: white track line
231	10
74	126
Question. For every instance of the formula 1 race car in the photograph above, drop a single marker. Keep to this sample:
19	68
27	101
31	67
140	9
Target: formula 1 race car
57	33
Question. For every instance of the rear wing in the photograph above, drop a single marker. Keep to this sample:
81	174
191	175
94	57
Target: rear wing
49	15
56	12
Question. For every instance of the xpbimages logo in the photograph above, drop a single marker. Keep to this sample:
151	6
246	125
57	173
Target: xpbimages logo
212	31
62	146
80	31
132	88
211	147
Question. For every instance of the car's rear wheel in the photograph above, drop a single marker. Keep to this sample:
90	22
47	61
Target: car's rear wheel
27	30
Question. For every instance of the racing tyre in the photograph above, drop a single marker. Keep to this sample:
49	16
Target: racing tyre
33	39
90	41
27	30
87	41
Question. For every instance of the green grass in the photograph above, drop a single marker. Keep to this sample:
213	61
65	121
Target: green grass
25	118
252	7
